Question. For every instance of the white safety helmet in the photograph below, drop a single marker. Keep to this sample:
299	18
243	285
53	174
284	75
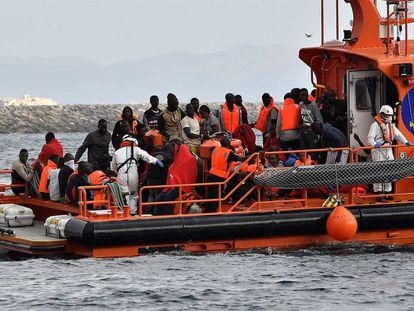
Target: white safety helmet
130	139
387	110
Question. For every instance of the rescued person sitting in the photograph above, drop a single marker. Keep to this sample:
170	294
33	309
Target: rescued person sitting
21	172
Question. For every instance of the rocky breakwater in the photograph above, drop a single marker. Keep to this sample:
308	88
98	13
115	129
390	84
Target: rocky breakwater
74	118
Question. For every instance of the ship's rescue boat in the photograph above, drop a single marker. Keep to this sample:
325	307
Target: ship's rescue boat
370	67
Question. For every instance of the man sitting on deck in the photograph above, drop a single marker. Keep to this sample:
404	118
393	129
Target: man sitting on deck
22	172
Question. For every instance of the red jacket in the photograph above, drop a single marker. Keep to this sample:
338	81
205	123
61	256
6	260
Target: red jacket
49	149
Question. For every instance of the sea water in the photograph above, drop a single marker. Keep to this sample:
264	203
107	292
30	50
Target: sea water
338	277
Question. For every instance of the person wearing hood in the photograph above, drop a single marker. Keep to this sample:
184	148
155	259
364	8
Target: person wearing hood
125	163
67	169
127	125
383	133
97	143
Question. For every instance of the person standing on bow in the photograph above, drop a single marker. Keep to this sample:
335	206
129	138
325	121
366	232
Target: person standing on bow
97	143
382	133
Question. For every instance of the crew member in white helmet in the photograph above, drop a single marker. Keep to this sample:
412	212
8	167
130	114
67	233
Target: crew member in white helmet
382	133
125	163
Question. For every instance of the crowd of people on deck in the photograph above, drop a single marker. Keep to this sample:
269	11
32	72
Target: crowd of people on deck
163	149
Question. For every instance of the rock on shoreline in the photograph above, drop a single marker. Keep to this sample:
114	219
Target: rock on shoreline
76	118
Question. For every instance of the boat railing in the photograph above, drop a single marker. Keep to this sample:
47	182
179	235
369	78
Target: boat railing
224	204
399	191
5	186
89	208
257	205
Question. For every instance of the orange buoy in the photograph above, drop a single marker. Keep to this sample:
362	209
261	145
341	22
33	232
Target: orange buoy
341	224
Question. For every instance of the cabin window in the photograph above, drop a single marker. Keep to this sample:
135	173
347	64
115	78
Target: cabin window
362	99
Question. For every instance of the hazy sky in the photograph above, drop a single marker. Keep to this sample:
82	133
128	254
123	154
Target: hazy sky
108	31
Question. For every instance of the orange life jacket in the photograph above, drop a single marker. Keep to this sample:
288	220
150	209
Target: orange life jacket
73	190
264	113
43	177
308	161
383	127
157	138
290	115
97	178
231	119
248	168
219	165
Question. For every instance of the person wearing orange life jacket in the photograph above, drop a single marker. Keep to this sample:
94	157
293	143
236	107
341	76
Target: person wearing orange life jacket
287	125
169	120
229	114
120	129
221	158
52	163
382	133
98	178
266	121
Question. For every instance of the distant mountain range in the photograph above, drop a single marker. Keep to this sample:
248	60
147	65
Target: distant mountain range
246	70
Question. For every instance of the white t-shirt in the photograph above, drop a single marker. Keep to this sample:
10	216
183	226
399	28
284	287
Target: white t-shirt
194	126
54	184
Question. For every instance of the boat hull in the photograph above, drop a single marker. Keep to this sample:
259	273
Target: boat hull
194	229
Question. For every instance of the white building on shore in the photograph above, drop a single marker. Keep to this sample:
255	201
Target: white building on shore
27	100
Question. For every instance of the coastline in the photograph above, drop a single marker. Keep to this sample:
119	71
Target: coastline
78	118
